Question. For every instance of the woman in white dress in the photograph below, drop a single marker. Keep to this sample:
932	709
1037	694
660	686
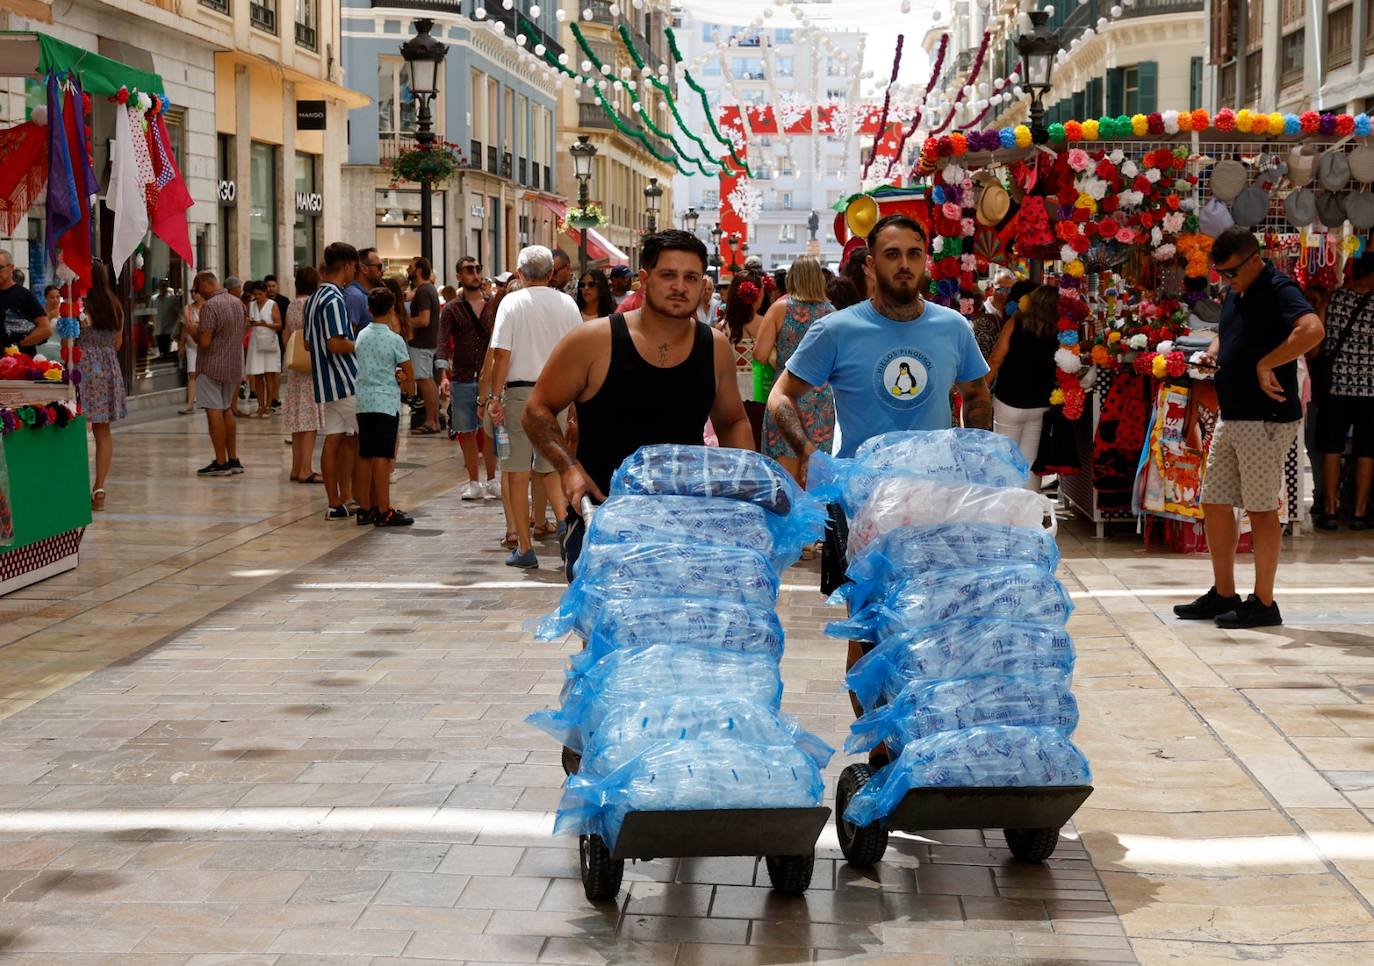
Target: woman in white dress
262	362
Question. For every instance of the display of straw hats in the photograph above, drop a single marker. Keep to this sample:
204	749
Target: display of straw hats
1300	207
1361	162
1331	208
1359	209
1333	171
993	204
1301	166
1229	179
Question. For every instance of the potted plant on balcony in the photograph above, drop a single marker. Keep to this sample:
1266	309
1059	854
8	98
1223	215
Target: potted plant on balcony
434	163
590	216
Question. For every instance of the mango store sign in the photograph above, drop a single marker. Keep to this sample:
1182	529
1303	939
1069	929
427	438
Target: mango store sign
309	203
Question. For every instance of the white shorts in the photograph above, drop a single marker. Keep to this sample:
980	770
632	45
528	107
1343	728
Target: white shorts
341	417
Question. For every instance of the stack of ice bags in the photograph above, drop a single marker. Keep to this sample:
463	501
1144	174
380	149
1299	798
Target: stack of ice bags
952	563
673	702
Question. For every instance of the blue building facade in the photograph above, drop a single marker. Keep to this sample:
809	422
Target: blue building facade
494	104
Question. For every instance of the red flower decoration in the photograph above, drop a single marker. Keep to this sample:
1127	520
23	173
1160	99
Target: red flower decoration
1108	227
122	95
1345	124
1080	243
959	143
1171	202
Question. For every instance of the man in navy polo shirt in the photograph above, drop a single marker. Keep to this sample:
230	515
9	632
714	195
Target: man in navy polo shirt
1266	324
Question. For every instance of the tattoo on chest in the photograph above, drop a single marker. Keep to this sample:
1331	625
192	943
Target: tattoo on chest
663	354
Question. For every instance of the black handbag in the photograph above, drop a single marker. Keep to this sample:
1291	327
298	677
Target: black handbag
1058	450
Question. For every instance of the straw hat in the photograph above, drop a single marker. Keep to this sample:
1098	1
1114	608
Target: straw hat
993	204
861	215
1301	166
1229	178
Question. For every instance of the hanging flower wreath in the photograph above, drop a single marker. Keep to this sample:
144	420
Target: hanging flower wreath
434	164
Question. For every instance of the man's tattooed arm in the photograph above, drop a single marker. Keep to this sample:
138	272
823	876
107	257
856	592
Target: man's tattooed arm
977	404
541	426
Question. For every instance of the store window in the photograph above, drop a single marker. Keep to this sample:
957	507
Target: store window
398	228
262	231
396	104
1291	56
262	14
305	236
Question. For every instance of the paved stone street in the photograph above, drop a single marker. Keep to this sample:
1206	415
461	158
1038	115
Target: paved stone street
241	734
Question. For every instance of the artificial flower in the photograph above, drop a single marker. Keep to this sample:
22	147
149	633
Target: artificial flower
1073	131
1078	159
1138	341
1023	136
1159	367
1057	397
1101	356
1114	336
1091	130
1075	269
1067	360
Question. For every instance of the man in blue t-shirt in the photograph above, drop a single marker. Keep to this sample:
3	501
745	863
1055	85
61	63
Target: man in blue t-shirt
891	362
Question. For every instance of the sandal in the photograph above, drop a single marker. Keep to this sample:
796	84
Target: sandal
1327	521
98	499
510	540
424	431
1364	521
312	478
545	529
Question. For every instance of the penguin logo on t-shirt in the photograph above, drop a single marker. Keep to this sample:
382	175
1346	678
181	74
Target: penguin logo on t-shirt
905	384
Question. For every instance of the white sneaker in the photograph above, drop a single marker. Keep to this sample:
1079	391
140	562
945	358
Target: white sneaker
493	488
473	491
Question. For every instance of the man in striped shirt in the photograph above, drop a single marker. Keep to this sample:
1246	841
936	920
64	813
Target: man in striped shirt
333	373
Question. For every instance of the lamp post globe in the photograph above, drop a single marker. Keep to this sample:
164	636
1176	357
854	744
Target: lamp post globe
691	219
653	199
424	57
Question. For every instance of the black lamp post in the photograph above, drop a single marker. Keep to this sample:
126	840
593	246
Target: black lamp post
583	152
732	243
1038	50
653	199
690	220
715	261
424	55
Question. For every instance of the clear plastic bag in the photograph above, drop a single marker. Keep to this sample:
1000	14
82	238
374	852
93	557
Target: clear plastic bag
954	456
630	730
1006	593
733	474
703	520
687	622
950	546
908	502
621	571
960	649
987	756
629	677
927	707
689	775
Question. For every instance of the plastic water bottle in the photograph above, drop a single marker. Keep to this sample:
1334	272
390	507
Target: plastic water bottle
502	442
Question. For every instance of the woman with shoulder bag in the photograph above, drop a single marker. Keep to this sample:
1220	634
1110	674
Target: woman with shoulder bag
263	363
304	416
1347	408
1023	364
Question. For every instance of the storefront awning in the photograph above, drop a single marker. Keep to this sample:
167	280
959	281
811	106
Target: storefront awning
33	54
599	247
40	10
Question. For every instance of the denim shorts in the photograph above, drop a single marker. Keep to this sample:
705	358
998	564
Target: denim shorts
462	407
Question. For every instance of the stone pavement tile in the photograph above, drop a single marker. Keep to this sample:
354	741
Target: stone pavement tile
341	942
587	923
337	886
662	899
231	959
949	942
904	907
567	895
84	940
490	860
954	880
836	905
563	863
856	937
266	915
731	870
181	939
164	914
682	929
705	954
503	892
1160	952
424	919
485	948
597	951
421	889
404	856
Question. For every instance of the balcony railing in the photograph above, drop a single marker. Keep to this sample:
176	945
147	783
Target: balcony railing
1072	19
306	36
475	154
263	17
220	5
591	115
492	163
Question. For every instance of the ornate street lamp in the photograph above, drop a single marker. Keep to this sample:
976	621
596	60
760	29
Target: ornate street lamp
423	56
653	199
732	243
715	261
690	220
583	152
1037	49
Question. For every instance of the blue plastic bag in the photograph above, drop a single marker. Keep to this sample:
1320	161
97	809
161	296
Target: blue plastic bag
960	649
1006	593
943	455
951	546
987	756
620	571
687	622
630	730
903	501
927	707
626	677
733	474
703	520
690	775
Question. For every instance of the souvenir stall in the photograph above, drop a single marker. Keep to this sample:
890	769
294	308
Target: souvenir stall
45	500
1120	214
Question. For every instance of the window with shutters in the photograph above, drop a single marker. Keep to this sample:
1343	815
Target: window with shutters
1195	81
1225	28
1130	91
1369	26
1254	25
1291	57
1226	85
1254	63
1339	38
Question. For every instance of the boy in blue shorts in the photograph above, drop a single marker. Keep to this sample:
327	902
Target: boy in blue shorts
384	369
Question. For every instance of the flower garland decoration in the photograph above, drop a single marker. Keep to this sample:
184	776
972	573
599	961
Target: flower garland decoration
887	104
916	118
972	79
16	366
666	93
68	327
1196	250
701	93
57	414
1138	335
1068	364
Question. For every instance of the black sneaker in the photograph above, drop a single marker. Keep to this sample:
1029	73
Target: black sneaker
393	518
337	513
215	468
1251	613
1207	607
365	517
235	466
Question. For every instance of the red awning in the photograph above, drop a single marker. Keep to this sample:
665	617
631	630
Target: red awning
599	247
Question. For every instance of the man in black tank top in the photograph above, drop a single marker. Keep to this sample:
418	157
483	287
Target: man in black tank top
653	375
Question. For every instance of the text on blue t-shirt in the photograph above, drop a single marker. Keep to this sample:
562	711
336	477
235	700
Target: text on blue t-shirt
887	375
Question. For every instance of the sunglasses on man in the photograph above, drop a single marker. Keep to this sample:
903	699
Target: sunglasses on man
1234	270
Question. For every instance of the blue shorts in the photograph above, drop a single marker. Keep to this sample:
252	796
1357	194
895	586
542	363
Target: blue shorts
462	407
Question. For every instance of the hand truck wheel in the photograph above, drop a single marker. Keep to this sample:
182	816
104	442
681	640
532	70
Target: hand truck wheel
1031	844
862	847
601	874
790	874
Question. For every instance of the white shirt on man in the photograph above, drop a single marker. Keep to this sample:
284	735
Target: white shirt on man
529	323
